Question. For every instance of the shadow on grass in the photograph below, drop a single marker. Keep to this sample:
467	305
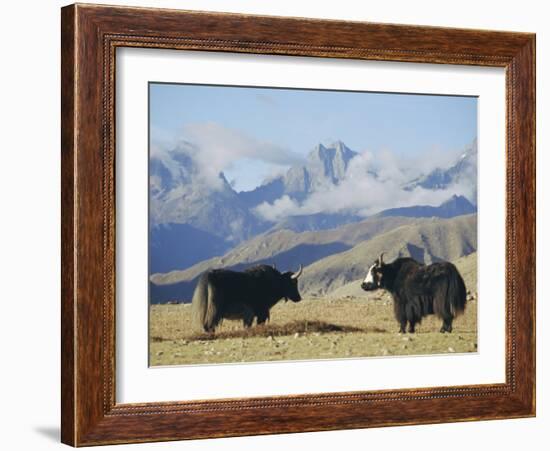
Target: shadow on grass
279	330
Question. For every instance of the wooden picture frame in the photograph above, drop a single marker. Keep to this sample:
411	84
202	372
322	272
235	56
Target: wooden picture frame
90	36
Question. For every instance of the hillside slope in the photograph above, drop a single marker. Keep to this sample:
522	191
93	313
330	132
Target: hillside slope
333	258
287	249
467	267
435	240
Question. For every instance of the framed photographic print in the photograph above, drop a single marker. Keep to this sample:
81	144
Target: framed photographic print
223	196
281	224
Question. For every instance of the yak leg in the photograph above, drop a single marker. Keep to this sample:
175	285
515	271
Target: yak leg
247	321
263	316
248	318
211	328
447	325
403	327
411	327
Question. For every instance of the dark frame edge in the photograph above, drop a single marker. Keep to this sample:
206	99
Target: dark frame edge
68	238
523	67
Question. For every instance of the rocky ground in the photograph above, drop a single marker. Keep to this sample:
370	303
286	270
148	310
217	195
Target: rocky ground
317	328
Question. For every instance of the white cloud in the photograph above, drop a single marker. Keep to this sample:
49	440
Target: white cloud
214	148
226	144
363	193
280	208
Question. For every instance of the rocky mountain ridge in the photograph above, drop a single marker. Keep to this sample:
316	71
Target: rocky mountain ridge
218	218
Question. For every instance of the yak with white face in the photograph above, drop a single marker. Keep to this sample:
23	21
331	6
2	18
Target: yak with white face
372	280
419	290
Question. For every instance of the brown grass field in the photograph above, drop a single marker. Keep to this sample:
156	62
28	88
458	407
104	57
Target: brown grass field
348	326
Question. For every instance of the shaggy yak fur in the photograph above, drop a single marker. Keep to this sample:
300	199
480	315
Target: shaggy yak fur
419	290
222	293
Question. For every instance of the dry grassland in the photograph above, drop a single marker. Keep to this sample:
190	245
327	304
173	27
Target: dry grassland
316	328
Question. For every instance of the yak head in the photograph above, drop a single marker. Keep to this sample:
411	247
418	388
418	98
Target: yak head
374	277
290	285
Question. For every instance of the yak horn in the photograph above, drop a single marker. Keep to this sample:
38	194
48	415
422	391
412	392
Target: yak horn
297	274
381	259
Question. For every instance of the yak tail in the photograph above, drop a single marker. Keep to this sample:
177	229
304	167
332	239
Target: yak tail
456	293
205	312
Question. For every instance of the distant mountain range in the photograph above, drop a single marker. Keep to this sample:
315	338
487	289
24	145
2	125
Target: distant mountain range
179	195
455	206
464	170
324	166
192	221
181	245
315	221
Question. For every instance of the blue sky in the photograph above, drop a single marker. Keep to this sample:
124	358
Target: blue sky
289	123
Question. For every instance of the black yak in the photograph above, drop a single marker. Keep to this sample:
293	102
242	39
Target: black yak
419	290
222	293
